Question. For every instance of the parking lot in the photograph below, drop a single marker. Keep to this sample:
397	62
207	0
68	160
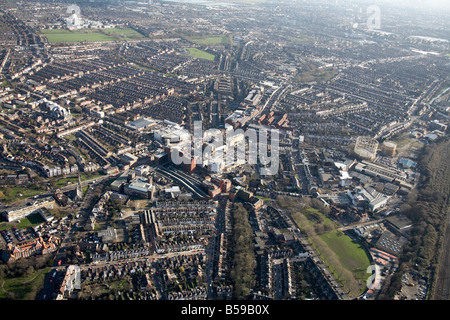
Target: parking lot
16	235
413	287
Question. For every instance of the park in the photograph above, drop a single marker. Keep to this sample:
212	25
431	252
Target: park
345	256
91	35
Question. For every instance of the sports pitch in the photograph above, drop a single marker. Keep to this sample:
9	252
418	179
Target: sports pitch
200	54
91	35
208	41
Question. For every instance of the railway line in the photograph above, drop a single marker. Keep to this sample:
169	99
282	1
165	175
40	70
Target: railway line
189	183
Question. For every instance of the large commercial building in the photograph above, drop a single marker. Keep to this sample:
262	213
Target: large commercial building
140	188
20	212
141	124
36	246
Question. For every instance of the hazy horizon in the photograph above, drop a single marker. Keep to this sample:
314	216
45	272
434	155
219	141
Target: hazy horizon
431	4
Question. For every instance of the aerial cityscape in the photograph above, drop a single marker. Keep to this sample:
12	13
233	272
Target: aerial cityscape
196	150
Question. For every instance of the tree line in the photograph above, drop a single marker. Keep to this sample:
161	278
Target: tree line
427	207
242	253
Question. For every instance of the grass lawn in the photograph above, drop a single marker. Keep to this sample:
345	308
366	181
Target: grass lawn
406	145
30	221
23	288
119	284
137	204
264	198
200	54
351	254
70	137
123	34
143	67
316	76
5	83
311	72
16	193
62	182
402	139
345	257
313	217
62	35
208	41
297	39
91	35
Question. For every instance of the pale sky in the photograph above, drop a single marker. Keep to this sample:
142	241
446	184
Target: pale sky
442	4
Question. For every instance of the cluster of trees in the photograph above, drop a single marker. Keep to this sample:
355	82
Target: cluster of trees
25	266
114	208
427	207
305	280
74	256
118	289
300	213
302	203
242	252
186	279
304	218
23	272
